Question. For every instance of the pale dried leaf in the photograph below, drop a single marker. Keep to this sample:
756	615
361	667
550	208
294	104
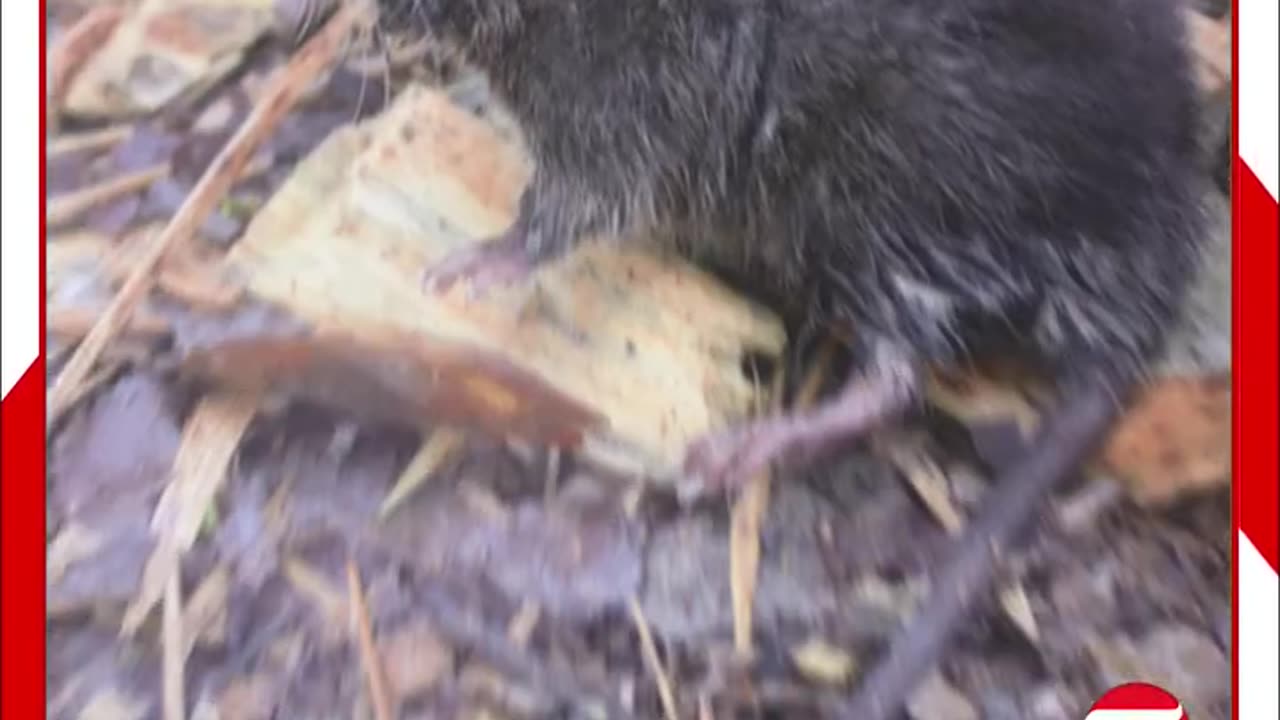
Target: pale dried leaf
440	447
209	441
824	663
1016	605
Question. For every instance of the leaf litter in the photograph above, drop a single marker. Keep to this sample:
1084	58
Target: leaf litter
485	520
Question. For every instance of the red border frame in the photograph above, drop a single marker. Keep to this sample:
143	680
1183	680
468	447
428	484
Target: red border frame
1256	463
22	501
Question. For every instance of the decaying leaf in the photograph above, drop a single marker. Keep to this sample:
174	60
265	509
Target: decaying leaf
1176	440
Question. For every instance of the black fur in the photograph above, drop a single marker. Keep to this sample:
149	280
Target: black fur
922	170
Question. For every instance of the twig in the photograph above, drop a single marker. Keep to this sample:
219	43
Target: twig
373	672
93	382
1072	432
650	652
73	323
174	655
285	89
90	140
63	209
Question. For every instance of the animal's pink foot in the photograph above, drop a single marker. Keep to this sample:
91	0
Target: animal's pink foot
483	267
727	460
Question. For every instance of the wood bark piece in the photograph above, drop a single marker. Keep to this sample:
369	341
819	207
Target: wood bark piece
652	346
395	379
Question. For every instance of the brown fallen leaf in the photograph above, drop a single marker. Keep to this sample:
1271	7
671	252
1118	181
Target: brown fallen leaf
400	379
1175	440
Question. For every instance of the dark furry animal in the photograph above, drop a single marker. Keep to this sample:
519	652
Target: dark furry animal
941	177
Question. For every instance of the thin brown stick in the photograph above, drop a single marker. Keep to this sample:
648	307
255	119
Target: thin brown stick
73	323
280	95
62	209
174	656
91	140
373	672
650	651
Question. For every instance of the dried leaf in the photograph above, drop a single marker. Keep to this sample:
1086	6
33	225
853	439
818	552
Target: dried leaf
823	663
1016	605
439	448
209	440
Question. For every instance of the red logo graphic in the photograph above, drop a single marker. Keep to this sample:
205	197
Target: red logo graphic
1137	701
